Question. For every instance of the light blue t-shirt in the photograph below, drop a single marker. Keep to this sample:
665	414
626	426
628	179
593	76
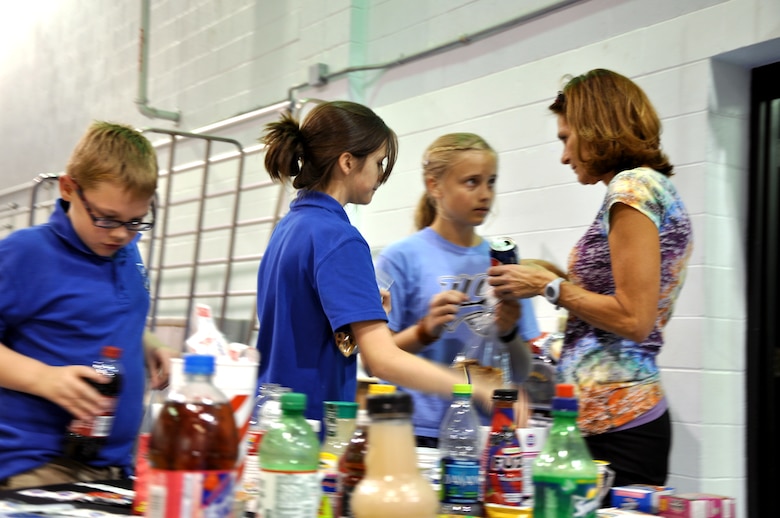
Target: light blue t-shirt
423	265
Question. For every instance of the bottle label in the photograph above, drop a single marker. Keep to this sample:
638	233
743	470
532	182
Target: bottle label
191	494
459	481
573	497
289	494
98	426
504	468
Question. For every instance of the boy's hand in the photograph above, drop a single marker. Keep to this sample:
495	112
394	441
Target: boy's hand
66	386
158	364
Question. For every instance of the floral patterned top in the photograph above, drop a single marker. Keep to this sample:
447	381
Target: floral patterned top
617	379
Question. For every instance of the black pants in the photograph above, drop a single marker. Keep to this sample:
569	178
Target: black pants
639	455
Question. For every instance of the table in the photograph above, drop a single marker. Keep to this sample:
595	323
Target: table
84	499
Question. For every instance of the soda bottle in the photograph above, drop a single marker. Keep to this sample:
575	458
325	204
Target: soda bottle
339	427
460	451
289	460
393	485
502	457
564	473
193	449
352	465
141	483
85	437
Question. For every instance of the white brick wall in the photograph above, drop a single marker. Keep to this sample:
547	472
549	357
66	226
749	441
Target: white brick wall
214	59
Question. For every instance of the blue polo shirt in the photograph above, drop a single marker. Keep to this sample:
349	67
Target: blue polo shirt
61	303
316	276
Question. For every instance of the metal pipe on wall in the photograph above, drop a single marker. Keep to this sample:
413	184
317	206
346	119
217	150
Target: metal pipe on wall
143	71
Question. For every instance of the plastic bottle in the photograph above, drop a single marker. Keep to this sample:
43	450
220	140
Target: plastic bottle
141	482
503	458
352	465
339	428
393	485
257	427
85	437
289	460
460	451
564	473
194	448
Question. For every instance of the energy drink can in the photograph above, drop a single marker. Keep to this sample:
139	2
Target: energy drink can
503	250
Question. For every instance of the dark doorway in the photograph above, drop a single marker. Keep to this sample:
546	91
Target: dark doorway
763	281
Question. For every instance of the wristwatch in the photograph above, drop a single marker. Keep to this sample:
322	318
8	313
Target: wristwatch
553	291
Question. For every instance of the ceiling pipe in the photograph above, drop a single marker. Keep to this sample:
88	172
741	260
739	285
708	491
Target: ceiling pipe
143	72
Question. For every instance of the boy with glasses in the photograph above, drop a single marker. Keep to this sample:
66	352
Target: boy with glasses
68	288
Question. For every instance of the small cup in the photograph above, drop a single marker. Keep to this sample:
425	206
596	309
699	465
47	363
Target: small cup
605	478
383	280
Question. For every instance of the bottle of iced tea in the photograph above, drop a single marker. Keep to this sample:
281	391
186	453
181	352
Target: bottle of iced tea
193	449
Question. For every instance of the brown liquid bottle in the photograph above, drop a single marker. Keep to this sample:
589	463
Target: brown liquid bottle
194	436
85	437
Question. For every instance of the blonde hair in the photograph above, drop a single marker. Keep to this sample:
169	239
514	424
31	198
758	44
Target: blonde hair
115	153
437	159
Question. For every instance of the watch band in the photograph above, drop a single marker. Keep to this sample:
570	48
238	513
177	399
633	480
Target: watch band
552	291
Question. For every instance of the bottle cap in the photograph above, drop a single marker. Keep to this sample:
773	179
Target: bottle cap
198	364
505	395
565	399
380	388
111	351
340	409
383	406
295	401
462	389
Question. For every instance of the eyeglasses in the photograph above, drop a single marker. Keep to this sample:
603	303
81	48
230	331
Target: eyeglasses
134	225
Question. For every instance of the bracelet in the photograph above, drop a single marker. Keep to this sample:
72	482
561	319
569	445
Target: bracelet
422	335
511	335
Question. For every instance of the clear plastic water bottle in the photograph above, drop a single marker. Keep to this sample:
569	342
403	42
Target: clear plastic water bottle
460	451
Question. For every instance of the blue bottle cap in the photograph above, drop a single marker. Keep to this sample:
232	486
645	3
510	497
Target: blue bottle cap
199	364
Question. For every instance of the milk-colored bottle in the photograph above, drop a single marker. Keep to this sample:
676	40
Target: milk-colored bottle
393	485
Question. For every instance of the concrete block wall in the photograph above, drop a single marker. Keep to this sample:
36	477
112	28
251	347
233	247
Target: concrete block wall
214	59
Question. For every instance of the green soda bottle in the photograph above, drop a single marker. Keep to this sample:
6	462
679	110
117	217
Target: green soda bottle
564	474
289	461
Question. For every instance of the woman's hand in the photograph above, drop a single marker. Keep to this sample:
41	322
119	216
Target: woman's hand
519	281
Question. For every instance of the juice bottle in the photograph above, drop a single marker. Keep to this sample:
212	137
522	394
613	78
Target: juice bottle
503	458
339	418
193	449
393	485
352	465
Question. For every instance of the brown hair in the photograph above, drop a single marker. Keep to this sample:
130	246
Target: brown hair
613	117
116	153
306	153
437	159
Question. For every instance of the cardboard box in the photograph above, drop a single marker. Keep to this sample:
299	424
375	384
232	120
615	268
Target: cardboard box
696	505
639	497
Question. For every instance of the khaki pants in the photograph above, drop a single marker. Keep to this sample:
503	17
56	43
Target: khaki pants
60	471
